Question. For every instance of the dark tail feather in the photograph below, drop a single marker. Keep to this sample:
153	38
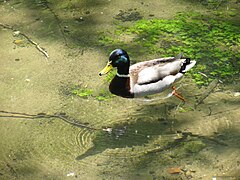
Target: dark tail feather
183	67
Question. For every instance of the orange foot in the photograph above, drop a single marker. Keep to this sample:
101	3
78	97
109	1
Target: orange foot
175	93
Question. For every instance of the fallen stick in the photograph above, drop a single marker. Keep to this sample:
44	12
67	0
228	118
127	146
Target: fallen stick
184	137
62	116
36	45
207	92
16	32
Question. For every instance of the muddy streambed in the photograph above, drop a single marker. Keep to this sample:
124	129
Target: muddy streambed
49	132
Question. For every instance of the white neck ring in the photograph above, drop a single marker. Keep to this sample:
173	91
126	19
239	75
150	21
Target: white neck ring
123	75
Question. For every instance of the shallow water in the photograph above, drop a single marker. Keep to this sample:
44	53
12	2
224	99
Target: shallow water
135	139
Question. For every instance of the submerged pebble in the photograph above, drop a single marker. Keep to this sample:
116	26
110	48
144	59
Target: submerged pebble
80	19
18	41
175	170
109	130
70	174
16	33
236	94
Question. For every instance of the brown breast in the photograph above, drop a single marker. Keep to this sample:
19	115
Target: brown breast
120	86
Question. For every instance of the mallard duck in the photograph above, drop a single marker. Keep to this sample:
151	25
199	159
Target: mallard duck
145	78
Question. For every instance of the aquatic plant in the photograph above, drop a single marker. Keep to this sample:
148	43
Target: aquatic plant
188	147
104	95
214	43
82	92
193	146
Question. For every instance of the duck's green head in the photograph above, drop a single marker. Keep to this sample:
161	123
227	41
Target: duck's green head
119	59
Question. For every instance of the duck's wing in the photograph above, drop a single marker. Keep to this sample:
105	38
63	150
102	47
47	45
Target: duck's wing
154	70
157	78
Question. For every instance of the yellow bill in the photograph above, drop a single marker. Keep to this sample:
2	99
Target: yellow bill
106	69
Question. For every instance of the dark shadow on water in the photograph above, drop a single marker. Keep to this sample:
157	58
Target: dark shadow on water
145	126
136	134
229	135
74	23
154	120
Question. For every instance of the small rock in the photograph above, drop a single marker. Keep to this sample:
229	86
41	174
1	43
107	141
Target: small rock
18	41
236	94
109	130
184	170
174	170
71	174
188	174
80	19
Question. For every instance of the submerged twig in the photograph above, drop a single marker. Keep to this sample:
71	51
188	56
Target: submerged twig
6	26
203	74
183	137
221	112
61	116
206	138
36	45
207	92
16	32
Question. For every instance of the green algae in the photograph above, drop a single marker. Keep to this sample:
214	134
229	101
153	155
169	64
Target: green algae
86	93
82	92
193	146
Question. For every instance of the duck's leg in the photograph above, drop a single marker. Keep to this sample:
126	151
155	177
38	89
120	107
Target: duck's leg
175	93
